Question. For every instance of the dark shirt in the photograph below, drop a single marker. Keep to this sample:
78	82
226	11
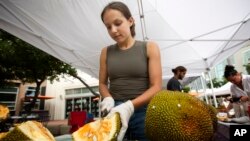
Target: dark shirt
174	85
128	71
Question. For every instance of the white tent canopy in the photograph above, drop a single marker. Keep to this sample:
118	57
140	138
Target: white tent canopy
196	34
223	90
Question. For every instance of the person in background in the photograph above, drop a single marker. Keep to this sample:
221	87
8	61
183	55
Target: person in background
133	70
174	84
240	88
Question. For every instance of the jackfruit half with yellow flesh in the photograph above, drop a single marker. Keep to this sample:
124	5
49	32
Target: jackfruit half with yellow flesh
4	112
3	134
28	131
177	116
103	129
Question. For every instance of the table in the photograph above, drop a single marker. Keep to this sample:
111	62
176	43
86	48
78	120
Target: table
66	137
19	119
223	130
222	133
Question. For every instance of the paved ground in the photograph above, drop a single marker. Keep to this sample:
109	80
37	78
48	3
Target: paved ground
58	127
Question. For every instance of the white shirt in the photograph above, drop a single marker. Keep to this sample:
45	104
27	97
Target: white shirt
237	92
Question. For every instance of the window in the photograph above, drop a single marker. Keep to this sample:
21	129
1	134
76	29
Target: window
30	91
82	104
8	97
81	99
80	90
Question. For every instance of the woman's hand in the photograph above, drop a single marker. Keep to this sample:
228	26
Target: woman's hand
107	104
126	110
244	98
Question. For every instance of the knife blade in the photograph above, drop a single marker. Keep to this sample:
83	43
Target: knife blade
104	113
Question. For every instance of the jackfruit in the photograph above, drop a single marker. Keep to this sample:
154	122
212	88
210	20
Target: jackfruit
213	115
103	129
176	116
3	134
28	131
4	112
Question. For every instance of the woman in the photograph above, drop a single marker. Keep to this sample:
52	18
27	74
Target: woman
174	84
133	69
240	87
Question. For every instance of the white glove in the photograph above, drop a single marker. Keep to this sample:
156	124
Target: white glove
107	103
126	110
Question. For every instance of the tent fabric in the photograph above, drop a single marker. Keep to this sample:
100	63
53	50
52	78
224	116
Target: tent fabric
196	34
223	90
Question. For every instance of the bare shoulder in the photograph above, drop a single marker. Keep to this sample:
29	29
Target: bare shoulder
104	49
152	44
103	54
152	48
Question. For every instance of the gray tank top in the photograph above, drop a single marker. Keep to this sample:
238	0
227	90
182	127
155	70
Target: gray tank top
128	71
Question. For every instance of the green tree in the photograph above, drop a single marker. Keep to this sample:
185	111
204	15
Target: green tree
217	83
186	89
247	66
6	53
22	61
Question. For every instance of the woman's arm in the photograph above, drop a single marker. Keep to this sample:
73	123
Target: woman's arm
237	95
103	75
244	98
155	75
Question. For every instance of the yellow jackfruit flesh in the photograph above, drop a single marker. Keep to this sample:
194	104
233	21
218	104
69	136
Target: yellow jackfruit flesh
28	131
3	134
103	129
177	116
4	112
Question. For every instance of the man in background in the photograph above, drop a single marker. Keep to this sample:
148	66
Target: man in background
174	84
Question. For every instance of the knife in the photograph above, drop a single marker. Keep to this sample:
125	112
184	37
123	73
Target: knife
104	113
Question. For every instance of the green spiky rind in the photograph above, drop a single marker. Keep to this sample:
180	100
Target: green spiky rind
15	135
170	116
213	112
118	125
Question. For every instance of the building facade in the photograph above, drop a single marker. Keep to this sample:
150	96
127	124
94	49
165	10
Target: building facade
71	95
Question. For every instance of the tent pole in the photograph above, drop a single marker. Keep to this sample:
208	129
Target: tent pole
204	88
142	19
212	88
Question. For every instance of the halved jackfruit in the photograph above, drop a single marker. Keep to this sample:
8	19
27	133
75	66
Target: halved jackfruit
103	129
3	134
4	112
28	131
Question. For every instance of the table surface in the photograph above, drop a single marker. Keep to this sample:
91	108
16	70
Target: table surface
27	117
232	123
66	137
223	130
222	133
